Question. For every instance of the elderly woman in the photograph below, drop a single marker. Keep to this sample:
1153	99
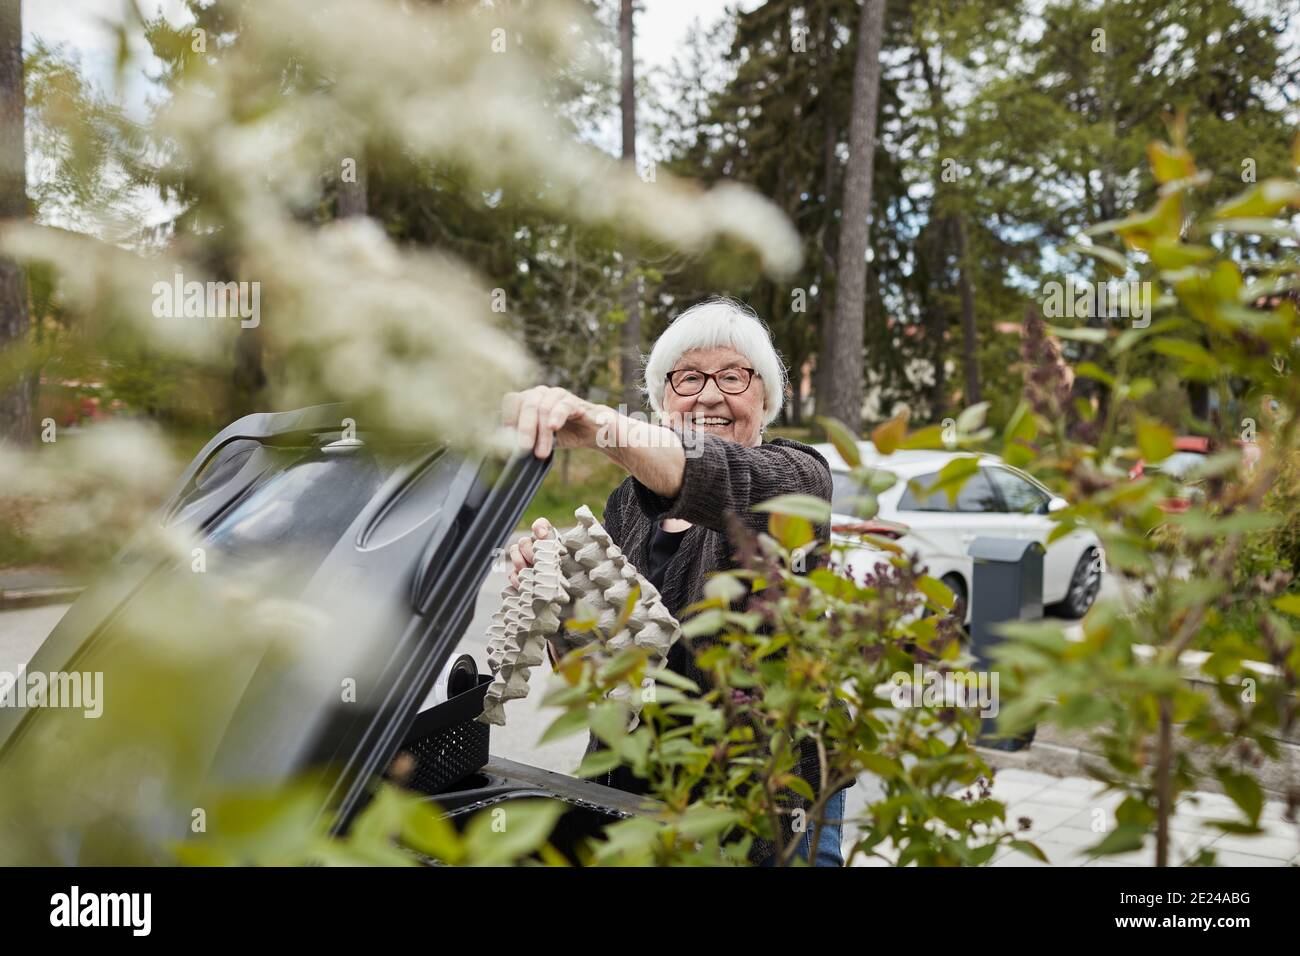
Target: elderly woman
715	381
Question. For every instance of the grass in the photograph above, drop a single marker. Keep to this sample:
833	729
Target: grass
587	478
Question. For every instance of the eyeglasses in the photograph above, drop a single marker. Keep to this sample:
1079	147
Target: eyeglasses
730	381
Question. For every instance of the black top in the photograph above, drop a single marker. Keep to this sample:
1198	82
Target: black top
724	480
663	545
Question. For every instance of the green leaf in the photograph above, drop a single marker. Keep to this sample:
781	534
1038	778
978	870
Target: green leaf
1019	435
791	531
953	476
598	762
1094	371
1123	839
704	623
1130	337
725	588
1244	791
800	786
1275	228
1288	604
700	822
1115	262
972	419
1199	522
1263	200
673	679
845	442
1155	440
425	829
890	435
608	721
931	436
505	833
1088	334
808	507
1029	849
566	725
1173	254
936	591
1189	352
1169	163
1141	230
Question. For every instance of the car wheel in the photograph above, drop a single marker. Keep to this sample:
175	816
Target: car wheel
1085	582
957	586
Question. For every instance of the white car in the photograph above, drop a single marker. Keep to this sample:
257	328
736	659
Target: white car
996	501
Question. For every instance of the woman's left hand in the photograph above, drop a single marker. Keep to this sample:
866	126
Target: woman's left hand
545	418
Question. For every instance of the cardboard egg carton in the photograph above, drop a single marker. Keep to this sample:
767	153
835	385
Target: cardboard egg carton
582	565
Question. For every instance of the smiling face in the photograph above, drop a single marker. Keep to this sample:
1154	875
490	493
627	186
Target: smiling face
738	418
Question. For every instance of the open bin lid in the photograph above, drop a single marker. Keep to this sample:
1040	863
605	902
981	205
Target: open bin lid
1002	549
378	541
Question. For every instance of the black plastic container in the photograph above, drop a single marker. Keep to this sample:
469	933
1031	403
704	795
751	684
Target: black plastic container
447	742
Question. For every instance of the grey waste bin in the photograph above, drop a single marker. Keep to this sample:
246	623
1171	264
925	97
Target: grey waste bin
1007	585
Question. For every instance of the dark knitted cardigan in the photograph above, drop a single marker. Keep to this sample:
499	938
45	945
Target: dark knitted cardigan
721	477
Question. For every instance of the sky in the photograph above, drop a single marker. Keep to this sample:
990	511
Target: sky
81	26
79	23
84	29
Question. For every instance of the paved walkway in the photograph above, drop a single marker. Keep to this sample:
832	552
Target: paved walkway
1067	815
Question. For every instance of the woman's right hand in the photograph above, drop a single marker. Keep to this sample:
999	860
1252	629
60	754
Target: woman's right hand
521	552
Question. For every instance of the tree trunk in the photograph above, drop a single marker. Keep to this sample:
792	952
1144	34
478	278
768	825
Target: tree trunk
16	398
943	223
630	354
826	235
970	360
844	381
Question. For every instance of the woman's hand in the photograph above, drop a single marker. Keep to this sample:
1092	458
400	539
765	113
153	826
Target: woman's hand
545	418
521	552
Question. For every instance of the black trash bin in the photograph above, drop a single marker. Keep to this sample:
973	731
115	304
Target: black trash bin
1007	585
386	538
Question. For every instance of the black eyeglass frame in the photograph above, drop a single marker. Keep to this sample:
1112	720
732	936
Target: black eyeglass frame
714	376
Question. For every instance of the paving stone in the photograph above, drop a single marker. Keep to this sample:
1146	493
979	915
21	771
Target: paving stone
1014	792
1045	816
1078	798
1278	848
1232	858
1015	774
1058	854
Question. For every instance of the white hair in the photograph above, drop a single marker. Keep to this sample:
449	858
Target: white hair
716	323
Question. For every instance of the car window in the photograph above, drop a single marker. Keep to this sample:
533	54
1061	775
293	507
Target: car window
845	494
976	495
1020	496
914	500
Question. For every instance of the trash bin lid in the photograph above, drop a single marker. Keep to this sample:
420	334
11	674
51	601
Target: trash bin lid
1003	549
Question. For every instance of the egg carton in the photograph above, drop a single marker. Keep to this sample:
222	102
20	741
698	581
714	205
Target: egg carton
582	565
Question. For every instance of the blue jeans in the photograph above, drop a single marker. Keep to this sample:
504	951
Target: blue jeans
829	852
